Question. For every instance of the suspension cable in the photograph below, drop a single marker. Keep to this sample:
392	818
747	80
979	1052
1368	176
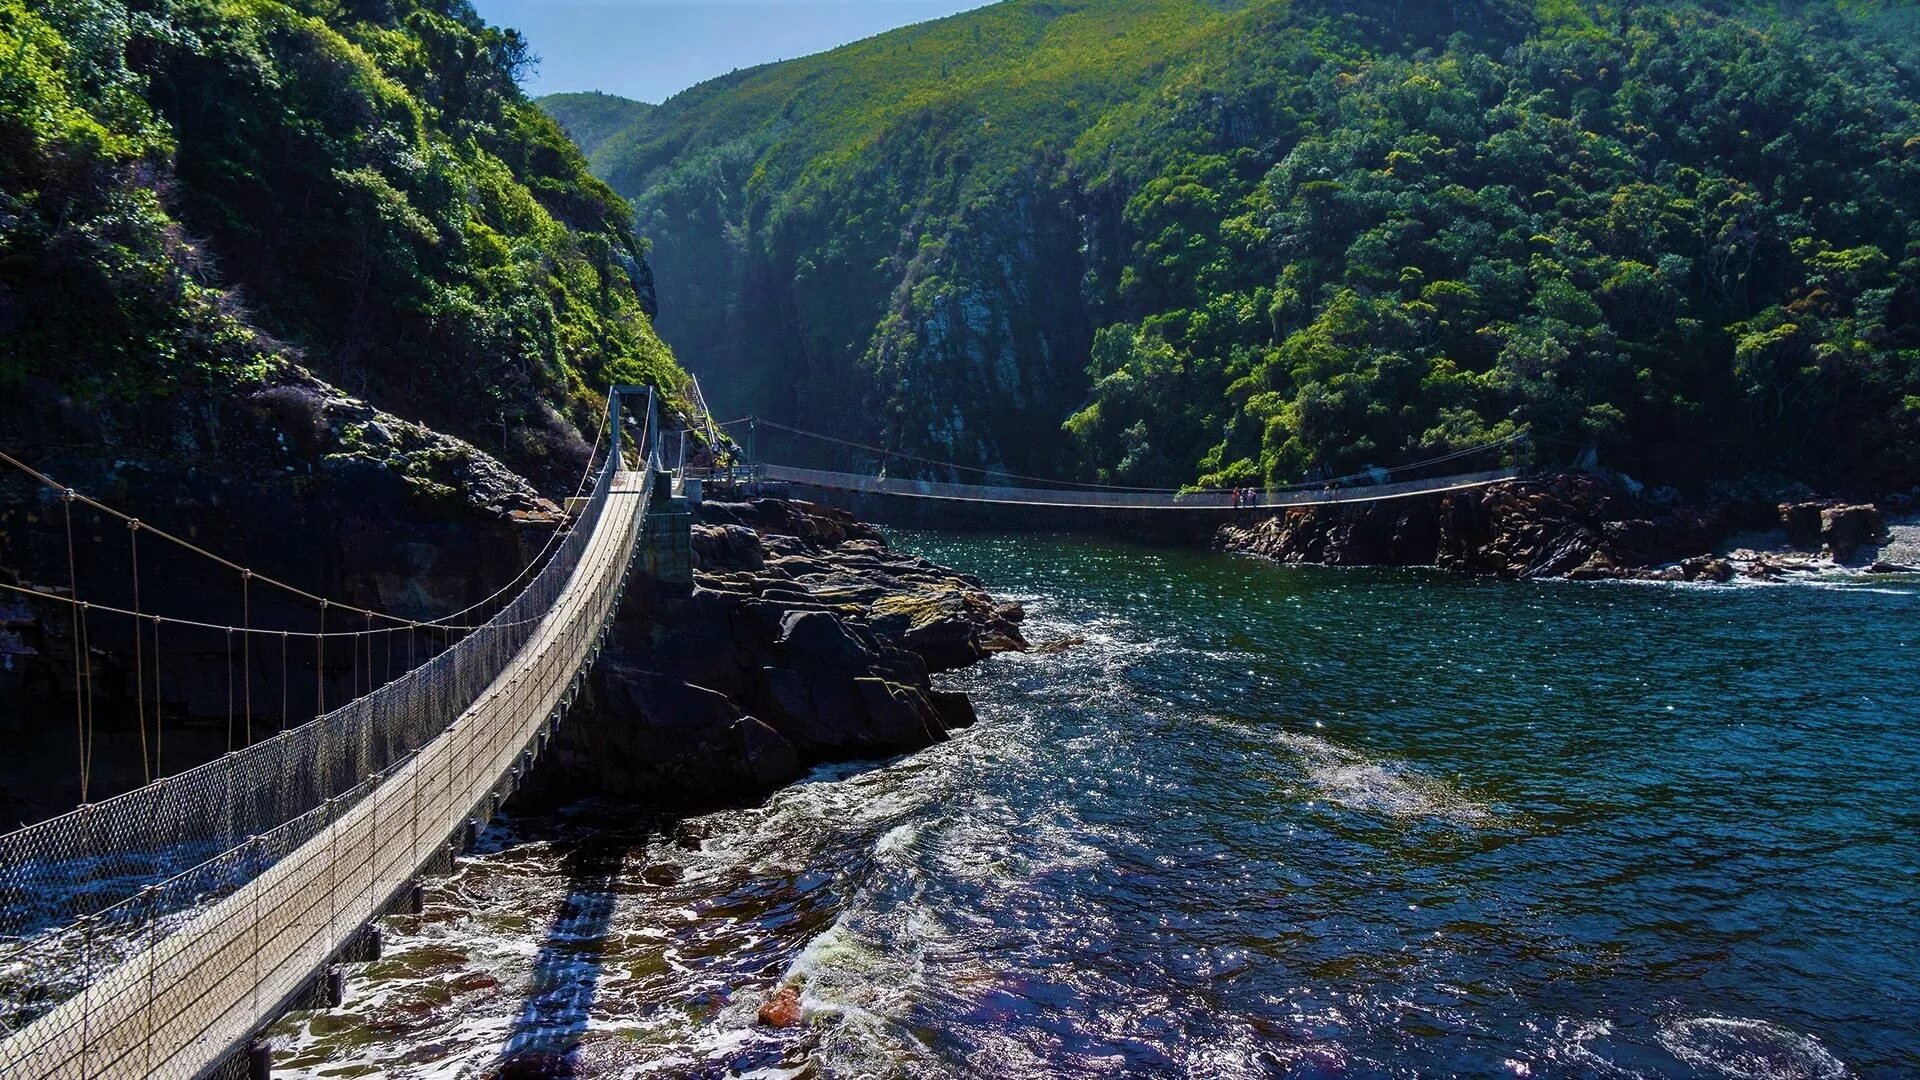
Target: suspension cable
73	591
158	735
320	665
152	763
71	496
246	647
86	654
139	657
229	690
82	652
194	624
553	538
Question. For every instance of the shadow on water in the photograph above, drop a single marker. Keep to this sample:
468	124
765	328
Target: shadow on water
552	1021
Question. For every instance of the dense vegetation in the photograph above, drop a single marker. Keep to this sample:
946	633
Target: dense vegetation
592	118
1230	242
192	191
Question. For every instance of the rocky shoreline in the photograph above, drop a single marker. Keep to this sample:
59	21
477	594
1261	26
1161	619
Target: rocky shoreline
1590	526
805	639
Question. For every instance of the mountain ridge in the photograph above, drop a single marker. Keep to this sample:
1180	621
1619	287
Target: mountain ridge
1058	237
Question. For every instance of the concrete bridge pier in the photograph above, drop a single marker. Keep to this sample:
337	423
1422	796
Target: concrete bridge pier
664	582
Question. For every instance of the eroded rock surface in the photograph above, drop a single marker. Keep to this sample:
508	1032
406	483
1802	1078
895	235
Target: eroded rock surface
805	639
1561	525
291	477
1583	526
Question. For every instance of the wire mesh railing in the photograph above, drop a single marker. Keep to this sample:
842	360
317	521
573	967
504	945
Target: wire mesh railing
147	882
70	866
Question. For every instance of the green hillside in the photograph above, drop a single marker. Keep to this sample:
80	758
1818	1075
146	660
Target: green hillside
195	191
1167	241
592	118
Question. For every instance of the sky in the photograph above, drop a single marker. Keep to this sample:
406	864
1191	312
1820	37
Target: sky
651	49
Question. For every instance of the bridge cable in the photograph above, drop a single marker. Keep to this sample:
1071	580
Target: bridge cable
71	495
195	624
553	538
229	689
886	454
82	658
158	732
73	590
139	657
320	665
86	651
246	646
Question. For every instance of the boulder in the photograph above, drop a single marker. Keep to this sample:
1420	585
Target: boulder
949	624
1598	567
820	638
1801	521
954	709
783	1009
795	647
726	547
1707	568
1058	645
1846	529
897	715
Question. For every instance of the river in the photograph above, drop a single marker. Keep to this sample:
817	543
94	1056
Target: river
1264	821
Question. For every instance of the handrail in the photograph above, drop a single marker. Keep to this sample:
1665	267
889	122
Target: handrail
178	973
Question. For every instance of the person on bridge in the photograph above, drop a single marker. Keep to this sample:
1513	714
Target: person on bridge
1236	498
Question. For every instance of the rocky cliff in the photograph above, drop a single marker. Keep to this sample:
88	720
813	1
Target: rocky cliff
290	477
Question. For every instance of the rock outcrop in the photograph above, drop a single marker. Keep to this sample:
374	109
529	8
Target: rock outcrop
1583	526
805	639
1846	529
1572	524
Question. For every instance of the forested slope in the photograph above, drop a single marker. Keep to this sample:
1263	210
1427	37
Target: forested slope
592	118
196	192
1168	241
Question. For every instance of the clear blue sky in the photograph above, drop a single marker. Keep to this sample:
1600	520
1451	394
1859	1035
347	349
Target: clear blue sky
652	49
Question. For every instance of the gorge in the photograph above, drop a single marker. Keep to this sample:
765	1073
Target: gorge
596	745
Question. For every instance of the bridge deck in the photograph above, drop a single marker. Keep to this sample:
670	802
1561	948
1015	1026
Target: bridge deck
176	1008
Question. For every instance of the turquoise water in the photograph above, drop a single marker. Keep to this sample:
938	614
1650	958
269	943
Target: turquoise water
1263	822
1397	822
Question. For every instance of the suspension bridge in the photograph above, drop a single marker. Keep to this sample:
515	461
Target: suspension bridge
186	915
162	930
1438	474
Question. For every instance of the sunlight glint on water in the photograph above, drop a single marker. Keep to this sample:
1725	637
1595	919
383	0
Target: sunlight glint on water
1265	822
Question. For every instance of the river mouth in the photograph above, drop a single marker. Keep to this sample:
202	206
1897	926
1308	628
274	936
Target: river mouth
1264	821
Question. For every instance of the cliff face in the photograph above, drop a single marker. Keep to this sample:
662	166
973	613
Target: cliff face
205	211
293	479
1161	242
